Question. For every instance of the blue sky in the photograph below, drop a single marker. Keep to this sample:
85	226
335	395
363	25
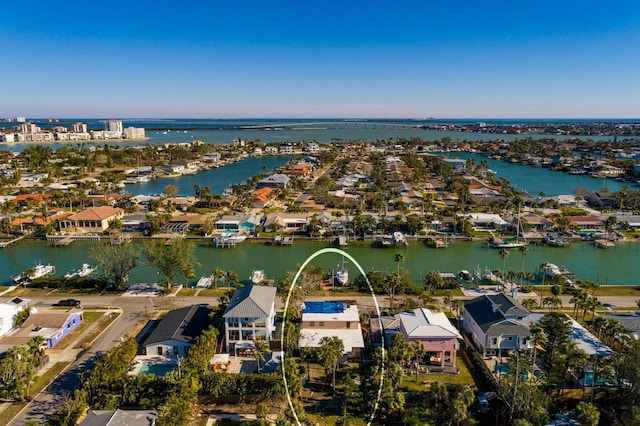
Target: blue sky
444	59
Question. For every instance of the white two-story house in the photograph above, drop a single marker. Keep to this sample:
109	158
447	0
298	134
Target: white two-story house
250	316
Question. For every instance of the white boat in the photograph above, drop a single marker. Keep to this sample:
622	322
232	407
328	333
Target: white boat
204	282
398	238
342	275
84	271
257	276
495	242
228	240
36	272
555	240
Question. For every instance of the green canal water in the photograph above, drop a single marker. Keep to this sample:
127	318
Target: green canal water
617	265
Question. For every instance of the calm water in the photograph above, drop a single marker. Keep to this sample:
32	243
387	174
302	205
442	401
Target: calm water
610	266
535	179
217	179
321	131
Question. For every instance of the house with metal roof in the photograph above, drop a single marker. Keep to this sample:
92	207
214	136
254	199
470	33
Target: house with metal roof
496	323
120	418
250	316
178	330
433	329
276	180
331	319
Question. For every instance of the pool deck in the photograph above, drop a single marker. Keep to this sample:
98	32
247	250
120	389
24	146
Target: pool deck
141	360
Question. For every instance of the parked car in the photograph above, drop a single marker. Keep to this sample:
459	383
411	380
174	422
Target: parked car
69	302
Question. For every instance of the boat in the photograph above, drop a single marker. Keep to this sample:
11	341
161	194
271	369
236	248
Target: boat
555	241
257	276
228	240
465	276
398	238
34	273
204	282
512	242
507	243
342	275
84	271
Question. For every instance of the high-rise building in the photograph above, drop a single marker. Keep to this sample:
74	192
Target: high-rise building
79	127
113	126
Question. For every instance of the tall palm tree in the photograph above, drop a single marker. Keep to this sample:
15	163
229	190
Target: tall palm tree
503	253
259	350
524	250
545	267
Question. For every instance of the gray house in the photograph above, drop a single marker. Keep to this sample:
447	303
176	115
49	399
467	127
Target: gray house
495	323
120	418
277	180
178	330
250	316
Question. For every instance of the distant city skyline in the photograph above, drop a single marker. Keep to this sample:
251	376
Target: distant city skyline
352	59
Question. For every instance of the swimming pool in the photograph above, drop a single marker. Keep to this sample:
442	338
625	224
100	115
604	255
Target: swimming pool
157	370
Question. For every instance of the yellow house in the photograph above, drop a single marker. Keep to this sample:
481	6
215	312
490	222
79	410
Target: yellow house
95	219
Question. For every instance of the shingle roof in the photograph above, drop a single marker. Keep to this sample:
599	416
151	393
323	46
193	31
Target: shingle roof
252	301
184	325
508	327
507	304
488	310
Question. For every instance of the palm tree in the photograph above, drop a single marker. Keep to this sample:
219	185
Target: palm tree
504	253
259	350
539	338
419	352
524	250
218	274
545	268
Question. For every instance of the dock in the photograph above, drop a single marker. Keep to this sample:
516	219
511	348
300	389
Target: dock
604	243
5	244
120	240
342	241
63	242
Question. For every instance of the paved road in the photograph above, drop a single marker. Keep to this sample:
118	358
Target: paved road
134	309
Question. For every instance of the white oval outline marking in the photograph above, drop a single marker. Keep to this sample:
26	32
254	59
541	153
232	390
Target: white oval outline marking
375	301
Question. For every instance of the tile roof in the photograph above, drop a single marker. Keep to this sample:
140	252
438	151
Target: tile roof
252	301
184	325
96	213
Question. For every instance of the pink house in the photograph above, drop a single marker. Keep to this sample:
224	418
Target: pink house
434	330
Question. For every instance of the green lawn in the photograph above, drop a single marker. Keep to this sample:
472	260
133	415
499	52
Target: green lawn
464	377
89	317
40	383
104	323
187	292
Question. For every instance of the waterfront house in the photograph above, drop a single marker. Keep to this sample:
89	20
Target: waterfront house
120	417
331	319
587	222
271	150
629	320
250	316
433	330
277	180
262	197
604	199
182	166
8	311
496	324
286	222
53	327
238	223
178	330
95	219
485	221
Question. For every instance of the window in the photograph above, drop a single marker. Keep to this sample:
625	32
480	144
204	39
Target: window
348	324
234	335
510	338
495	340
312	323
321	324
175	350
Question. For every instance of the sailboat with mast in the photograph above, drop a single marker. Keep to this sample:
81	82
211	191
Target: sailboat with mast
508	243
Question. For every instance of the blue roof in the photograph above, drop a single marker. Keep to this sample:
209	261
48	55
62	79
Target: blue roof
323	307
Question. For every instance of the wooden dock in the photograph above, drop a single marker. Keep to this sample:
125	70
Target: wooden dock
63	242
5	244
604	243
